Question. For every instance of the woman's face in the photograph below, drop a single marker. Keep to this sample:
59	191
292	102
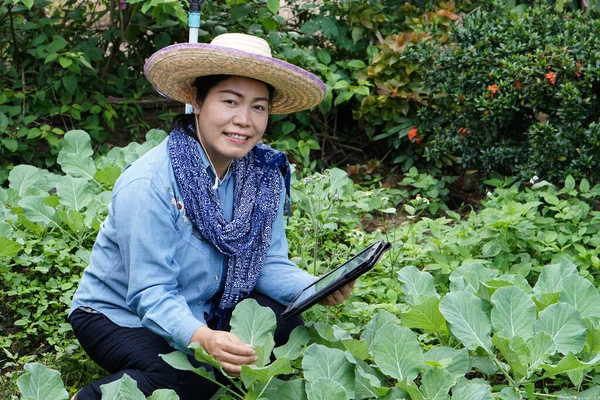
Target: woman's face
232	119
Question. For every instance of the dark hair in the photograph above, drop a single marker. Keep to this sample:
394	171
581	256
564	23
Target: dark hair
203	85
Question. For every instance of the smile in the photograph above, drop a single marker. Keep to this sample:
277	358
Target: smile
235	136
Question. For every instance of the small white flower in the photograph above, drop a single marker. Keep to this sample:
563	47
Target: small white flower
490	194
534	179
307	229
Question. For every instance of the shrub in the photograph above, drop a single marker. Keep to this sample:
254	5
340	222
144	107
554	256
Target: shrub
515	93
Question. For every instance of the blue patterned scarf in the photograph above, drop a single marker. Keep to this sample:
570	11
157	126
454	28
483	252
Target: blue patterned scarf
257	193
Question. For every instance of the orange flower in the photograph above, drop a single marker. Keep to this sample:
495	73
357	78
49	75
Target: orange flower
550	77
493	88
418	140
461	98
463	131
519	85
412	133
485	112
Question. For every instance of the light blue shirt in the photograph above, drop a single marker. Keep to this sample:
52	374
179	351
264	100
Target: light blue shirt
151	268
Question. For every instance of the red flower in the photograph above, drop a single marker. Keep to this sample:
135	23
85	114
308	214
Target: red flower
485	112
463	131
493	88
519	85
412	134
550	77
418	140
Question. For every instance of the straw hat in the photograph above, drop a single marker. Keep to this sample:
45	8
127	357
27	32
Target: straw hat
173	69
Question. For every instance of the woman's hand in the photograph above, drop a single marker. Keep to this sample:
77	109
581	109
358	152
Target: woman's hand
339	296
226	348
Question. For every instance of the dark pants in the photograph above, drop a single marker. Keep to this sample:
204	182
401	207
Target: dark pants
135	352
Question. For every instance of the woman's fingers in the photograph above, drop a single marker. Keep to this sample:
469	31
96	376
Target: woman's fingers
228	348
339	296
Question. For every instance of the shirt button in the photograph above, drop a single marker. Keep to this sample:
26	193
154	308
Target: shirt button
216	277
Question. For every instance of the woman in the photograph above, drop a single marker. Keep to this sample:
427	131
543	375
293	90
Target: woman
196	224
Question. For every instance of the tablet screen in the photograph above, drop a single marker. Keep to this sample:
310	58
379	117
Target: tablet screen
328	282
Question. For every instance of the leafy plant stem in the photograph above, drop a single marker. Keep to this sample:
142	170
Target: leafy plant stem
264	387
233	392
510	380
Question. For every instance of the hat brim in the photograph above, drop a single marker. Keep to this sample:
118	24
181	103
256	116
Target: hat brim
173	69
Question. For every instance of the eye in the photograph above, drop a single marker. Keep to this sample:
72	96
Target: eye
260	107
229	101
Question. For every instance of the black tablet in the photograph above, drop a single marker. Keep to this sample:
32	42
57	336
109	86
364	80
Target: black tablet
334	280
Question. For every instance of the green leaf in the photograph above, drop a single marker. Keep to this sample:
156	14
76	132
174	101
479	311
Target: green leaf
156	135
252	323
455	361
369	382
536	351
240	11
436	384
35	210
581	294
11	145
569	364
74	193
164	394
8	248
426	316
324	362
514	358
273	6
28	3
552	275
417	286
70	83
263	375
65	62
291	390
472	391
466	320
562	322
397	352
108	176
410	388
78	167
41	383
3	122
331	333
584	186
76	142
325	389
513	313
179	360
24	178
123	389
358	348
569	183
509	393
468	276
338	179
356	64
293	348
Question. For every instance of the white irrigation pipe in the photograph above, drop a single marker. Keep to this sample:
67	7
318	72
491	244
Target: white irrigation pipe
194	26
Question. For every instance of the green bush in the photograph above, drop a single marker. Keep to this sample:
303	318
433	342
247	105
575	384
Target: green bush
516	93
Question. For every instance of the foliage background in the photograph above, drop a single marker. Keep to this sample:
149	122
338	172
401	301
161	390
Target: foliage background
430	104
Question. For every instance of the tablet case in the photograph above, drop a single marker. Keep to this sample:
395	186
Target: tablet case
296	307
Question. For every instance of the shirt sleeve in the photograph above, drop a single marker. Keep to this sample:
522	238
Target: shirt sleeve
281	279
152	291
